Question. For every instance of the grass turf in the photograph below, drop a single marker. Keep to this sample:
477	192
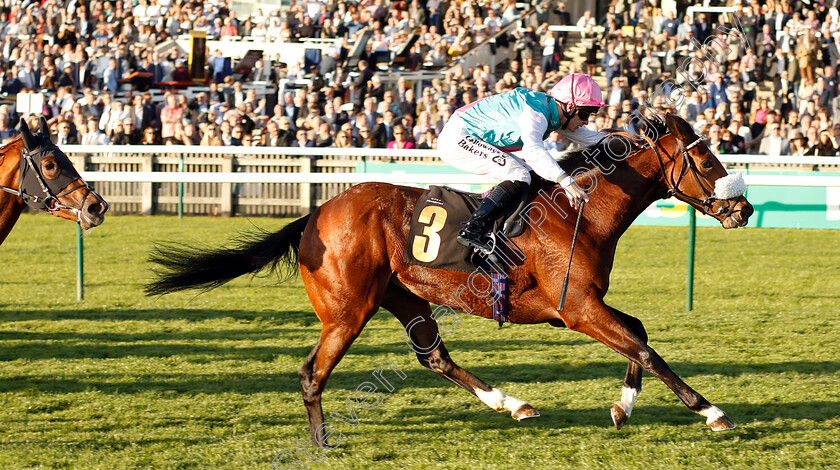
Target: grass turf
184	381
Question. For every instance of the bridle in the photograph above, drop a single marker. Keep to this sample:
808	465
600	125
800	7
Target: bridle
688	167
45	197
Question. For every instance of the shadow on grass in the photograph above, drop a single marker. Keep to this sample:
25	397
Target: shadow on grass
306	317
752	420
292	326
287	381
78	345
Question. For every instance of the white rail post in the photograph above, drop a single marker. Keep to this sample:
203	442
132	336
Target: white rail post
305	188
226	189
147	202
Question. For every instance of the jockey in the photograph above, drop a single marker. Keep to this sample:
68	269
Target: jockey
502	136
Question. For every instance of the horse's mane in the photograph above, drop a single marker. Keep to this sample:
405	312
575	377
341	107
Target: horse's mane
613	148
5	143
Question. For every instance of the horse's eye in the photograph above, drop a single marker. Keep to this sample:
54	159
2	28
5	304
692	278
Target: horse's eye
706	164
49	168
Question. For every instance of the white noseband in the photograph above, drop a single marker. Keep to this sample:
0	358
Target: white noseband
730	186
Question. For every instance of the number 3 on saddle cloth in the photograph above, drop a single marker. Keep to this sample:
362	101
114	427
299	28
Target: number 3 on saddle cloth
432	240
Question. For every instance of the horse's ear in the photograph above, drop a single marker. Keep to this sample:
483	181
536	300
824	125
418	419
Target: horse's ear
678	127
28	138
45	128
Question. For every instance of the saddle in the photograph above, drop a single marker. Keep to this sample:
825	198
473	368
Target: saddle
435	224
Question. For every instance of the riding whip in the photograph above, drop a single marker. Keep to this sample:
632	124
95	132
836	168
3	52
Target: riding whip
571	252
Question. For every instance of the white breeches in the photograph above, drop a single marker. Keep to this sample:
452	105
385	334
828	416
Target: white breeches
471	154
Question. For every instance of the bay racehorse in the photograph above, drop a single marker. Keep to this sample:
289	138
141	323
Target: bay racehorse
349	253
35	172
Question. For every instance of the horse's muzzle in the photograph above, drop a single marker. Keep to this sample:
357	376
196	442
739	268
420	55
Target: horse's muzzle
93	211
90	209
739	216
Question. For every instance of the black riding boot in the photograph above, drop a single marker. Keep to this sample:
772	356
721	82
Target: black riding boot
475	230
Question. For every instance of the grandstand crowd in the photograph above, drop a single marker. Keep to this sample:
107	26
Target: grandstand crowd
766	85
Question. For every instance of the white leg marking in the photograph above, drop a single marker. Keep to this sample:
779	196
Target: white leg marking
712	413
628	399
498	400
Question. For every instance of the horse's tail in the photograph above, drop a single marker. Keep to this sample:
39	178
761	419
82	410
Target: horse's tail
187	267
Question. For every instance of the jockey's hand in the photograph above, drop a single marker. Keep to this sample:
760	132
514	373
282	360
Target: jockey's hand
575	193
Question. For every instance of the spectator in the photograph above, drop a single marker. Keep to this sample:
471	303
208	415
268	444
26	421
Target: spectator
169	115
826	147
112	115
94	136
797	145
550	49
383	130
369	114
424	124
670	24
428	140
611	63
716	144
236	134
211	136
717	91
11	83
732	142
67	78
178	137
342	140
119	136
702	29
275	137
150	137
811	134
110	76
365	137
400	139
324	137
586	20
7	131
29	77
806	55
775	144
302	140
181	73
359	88
65	136
618	91
191	135
132	131
387	104
630	65
408	105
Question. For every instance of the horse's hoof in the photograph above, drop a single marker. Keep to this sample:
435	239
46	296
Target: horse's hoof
619	417
722	423
524	412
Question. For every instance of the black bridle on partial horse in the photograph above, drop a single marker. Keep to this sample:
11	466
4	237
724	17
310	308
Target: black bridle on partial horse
39	193
688	166
673	182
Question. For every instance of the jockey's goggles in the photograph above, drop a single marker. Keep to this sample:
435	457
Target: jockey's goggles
585	112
